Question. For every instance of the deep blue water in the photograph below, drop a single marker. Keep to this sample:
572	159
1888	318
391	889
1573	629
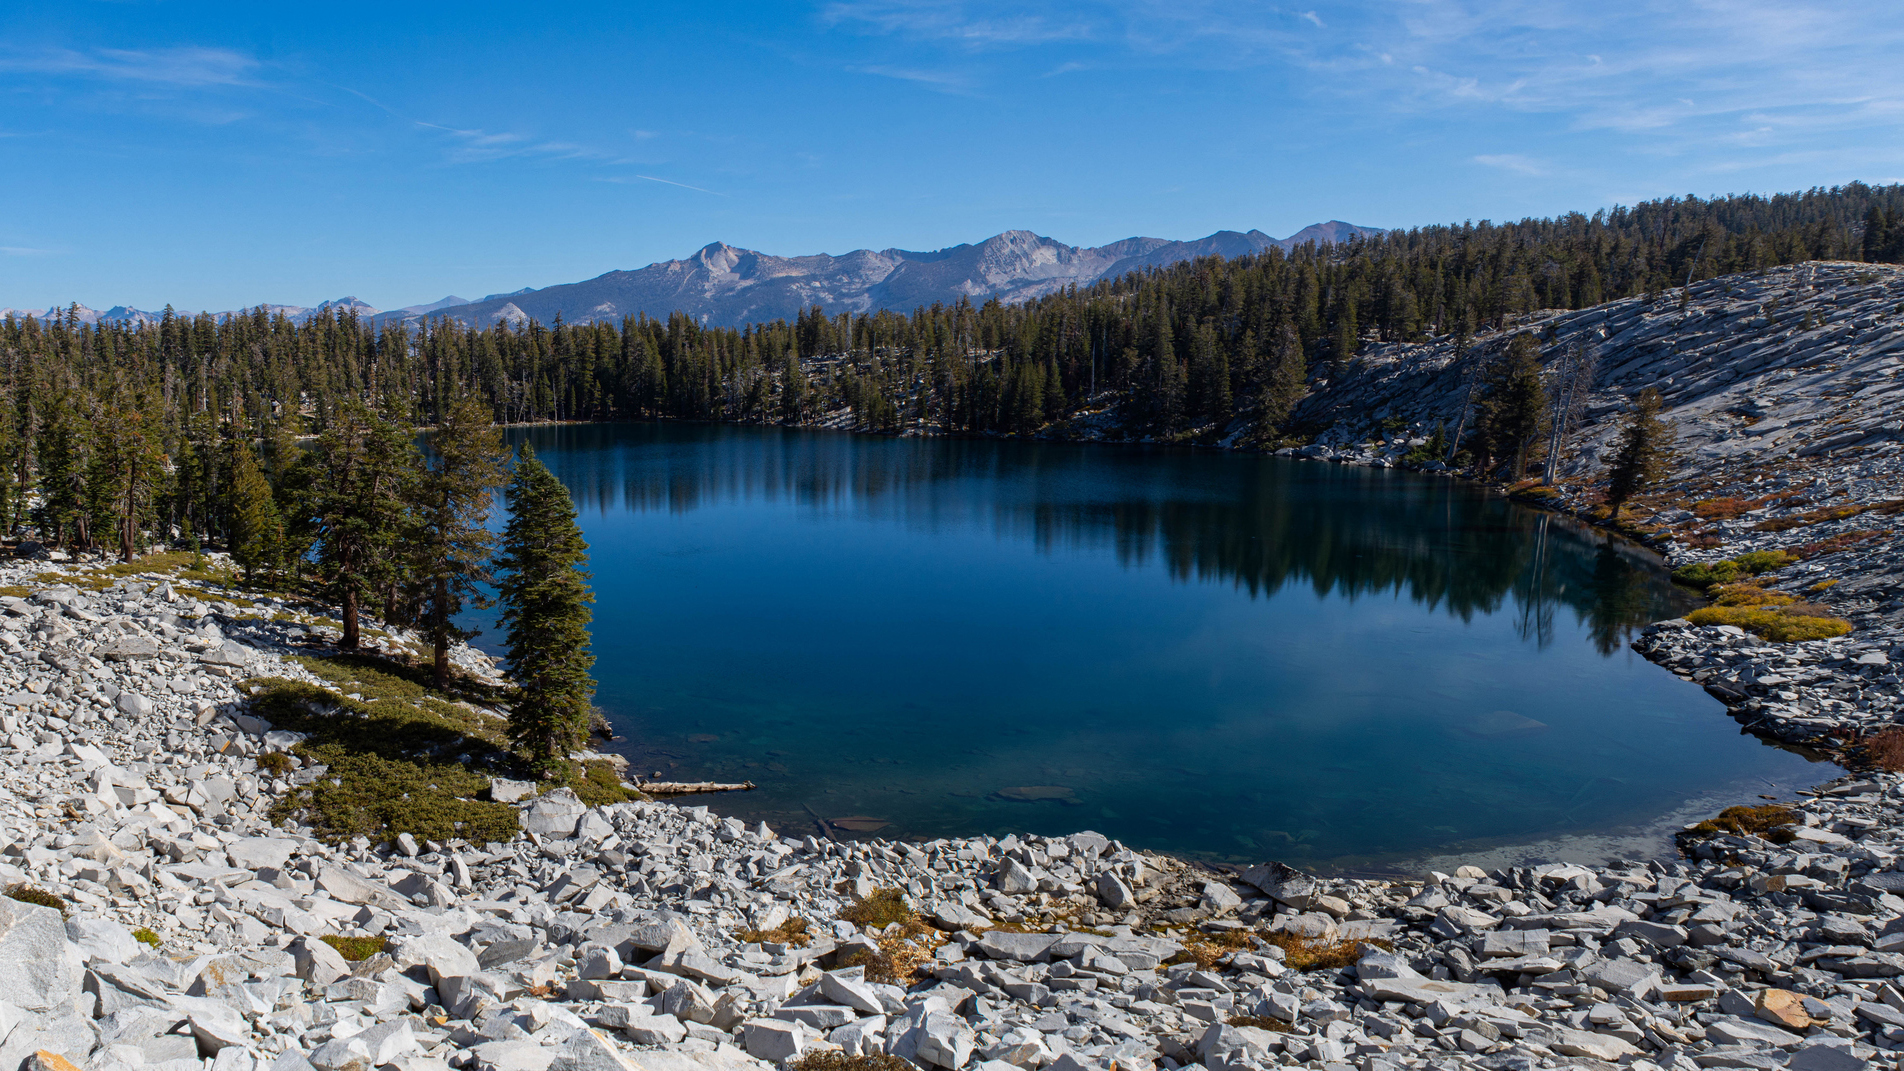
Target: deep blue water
1234	656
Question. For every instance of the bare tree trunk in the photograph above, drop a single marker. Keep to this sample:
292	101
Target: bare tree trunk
440	633
349	642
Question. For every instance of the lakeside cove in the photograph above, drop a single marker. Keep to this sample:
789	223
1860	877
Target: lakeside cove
204	925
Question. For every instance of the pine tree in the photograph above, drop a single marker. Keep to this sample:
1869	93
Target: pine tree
545	599
1513	410
257	529
125	467
361	477
1643	453
1288	379
453	546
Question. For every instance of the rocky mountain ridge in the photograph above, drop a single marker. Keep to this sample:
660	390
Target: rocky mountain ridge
726	286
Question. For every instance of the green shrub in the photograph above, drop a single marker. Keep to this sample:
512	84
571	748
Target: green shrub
145	936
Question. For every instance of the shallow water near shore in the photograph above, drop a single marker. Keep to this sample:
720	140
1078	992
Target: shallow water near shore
1226	656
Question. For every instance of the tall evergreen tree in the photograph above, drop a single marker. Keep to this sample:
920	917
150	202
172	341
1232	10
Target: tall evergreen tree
257	529
545	599
1642	455
362	474
1513	409
1284	386
452	502
126	465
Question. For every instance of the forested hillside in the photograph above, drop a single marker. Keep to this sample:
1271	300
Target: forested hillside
159	423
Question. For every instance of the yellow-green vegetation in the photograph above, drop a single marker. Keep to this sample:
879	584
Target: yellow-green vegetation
1703	575
792	932
1780	625
146	937
275	762
596	783
837	1060
403	758
1823	585
354	949
1766	820
395	765
1748	594
15	590
905	940
31	894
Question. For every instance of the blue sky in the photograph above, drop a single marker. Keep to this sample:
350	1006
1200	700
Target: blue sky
219	155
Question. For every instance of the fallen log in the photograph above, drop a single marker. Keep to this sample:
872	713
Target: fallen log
685	788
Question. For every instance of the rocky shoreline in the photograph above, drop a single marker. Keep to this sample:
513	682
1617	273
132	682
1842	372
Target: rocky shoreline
660	937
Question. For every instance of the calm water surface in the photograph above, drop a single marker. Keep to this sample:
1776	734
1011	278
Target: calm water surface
1230	656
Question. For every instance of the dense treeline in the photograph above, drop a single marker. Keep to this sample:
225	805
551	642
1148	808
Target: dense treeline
113	432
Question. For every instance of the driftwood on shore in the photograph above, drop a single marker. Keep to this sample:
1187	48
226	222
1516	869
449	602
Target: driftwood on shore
685	788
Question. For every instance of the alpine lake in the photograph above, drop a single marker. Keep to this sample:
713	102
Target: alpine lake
1226	656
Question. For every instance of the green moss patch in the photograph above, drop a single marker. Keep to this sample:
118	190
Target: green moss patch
401	760
354	949
30	894
146	937
1766	821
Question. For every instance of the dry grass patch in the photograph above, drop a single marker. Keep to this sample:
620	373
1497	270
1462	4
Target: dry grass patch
1323	954
906	941
1260	1022
836	1060
792	932
1885	750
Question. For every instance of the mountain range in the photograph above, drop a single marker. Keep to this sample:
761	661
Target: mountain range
725	286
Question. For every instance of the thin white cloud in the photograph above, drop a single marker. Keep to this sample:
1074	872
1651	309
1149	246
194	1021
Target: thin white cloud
968	23
1518	164
626	179
944	81
483	146
188	66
